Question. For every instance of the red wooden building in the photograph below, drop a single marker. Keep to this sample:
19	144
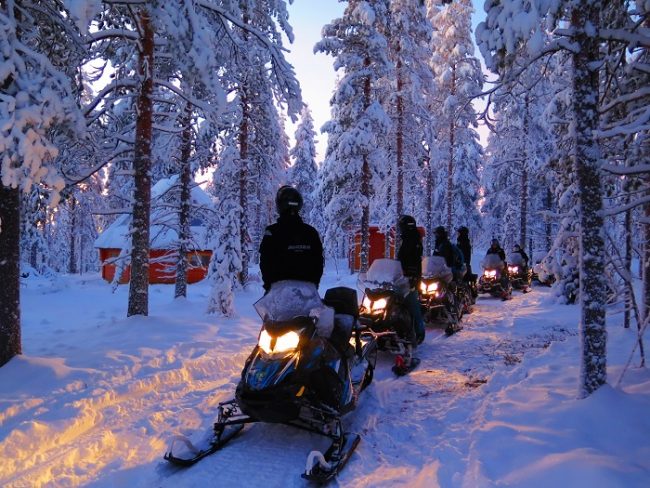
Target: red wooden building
164	238
378	246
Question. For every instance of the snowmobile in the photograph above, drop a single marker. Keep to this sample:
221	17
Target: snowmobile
384	311
520	275
492	280
310	363
440	304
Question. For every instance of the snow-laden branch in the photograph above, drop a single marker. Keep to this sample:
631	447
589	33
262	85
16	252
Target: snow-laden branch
633	39
626	170
112	34
111	87
611	211
629	97
207	109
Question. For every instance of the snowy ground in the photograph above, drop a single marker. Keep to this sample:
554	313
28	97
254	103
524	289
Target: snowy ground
96	396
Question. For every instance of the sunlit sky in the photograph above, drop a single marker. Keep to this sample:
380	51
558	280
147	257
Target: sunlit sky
315	71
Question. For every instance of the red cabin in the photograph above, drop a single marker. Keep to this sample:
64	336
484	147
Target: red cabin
164	238
377	246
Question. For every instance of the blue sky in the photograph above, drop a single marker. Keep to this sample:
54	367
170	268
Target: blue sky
315	71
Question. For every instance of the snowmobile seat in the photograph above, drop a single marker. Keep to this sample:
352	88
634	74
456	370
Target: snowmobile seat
343	300
346	310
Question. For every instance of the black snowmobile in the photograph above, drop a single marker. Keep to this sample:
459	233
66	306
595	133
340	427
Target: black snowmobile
441	305
384	311
296	376
521	276
492	280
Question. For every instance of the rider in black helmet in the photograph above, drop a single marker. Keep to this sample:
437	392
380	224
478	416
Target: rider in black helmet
442	246
465	246
410	256
290	249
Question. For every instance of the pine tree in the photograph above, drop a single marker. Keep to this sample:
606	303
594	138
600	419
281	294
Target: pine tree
37	98
303	173
359	123
500	37
458	78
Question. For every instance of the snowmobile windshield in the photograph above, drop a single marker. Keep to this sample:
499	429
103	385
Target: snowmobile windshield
435	267
289	299
386	273
516	259
492	261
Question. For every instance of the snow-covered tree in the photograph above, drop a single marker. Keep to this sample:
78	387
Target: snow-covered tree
225	265
359	123
37	99
500	37
458	77
407	97
303	173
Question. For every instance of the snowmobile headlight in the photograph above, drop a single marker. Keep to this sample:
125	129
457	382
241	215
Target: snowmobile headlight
287	342
265	342
513	269
378	306
490	273
374	307
284	343
429	288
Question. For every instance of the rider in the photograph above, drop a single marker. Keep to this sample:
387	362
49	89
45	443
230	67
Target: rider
290	249
452	254
518	250
410	256
466	247
495	248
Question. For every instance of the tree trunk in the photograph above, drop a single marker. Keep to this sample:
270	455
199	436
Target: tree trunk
72	262
524	178
450	164
184	234
399	144
139	285
429	207
586	167
10	342
365	190
548	227
243	186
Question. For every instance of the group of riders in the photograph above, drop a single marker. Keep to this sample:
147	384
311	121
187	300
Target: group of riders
315	355
292	250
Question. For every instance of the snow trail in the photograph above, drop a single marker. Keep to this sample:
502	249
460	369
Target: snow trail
113	391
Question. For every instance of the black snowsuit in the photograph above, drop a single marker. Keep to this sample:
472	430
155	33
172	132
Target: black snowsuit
498	251
466	247
410	255
443	248
291	250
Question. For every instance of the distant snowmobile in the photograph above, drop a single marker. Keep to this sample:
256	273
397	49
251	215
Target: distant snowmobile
384	311
520	275
440	305
307	370
492	280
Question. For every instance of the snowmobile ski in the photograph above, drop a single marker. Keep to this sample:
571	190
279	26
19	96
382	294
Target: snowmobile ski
322	468
197	454
400	368
452	329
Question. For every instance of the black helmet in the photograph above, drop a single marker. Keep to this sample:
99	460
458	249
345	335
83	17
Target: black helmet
516	247
288	200
495	242
462	230
440	231
406	223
